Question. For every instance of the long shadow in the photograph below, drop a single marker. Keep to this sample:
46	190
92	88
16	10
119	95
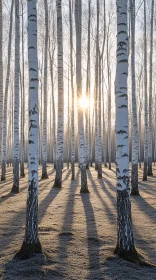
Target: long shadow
104	203
47	201
52	172
26	269
142	243
5	197
107	175
17	222
15	227
150	192
67	235
67	175
93	241
106	190
146	208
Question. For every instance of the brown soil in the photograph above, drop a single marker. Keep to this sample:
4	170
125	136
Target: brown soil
77	231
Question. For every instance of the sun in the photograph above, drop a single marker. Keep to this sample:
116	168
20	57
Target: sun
83	102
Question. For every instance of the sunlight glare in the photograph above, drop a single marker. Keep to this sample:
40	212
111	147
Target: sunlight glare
83	103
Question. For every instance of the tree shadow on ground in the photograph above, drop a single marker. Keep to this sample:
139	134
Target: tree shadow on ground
67	175
104	201
93	241
47	201
66	235
145	207
32	269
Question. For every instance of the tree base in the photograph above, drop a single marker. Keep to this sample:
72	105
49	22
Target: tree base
96	166
105	165
44	176
150	173
22	175
15	189
87	166
57	184
3	178
144	178
131	256
135	192
99	176
72	178
84	190
28	250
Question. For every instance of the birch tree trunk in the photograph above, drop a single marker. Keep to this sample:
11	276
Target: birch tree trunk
1	79
150	173
60	126
99	127
104	125
96	88
53	105
44	135
73	97
5	109
88	89
145	101
135	140
68	126
109	123
109	99
15	188
31	242
22	104
82	152
125	242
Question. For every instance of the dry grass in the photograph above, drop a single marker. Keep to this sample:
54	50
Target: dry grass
77	231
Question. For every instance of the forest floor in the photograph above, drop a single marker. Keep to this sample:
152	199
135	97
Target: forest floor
77	231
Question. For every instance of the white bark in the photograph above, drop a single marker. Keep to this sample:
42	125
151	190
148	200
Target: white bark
5	110
96	88
1	78
82	152
60	127
99	127
109	123
125	243
88	138
31	233
73	95
16	100
22	104
145	101
150	95
44	134
135	140
122	143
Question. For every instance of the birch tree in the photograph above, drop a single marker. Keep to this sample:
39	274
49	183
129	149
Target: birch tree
44	135
73	95
145	101
15	187
96	87
150	173
135	142
1	78
82	153
60	126
5	109
31	242
88	140
125	241
22	102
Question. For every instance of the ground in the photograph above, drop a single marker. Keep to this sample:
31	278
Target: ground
77	231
